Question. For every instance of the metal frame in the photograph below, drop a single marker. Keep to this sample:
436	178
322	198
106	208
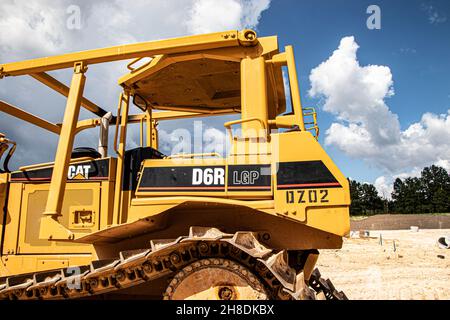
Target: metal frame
132	51
31	118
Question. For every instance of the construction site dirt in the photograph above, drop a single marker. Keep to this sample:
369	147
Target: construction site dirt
390	265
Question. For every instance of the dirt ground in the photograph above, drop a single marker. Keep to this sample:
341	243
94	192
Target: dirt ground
405	266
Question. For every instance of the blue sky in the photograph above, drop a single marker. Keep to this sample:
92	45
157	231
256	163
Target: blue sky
416	50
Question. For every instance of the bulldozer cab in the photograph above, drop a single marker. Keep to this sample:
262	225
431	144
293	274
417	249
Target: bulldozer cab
212	83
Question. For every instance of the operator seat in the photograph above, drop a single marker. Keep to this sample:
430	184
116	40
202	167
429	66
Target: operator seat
132	165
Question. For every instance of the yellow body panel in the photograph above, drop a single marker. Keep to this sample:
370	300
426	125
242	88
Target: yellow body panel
18	264
312	205
11	220
79	197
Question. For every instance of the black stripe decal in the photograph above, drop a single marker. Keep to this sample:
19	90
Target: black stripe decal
305	175
249	177
98	170
183	178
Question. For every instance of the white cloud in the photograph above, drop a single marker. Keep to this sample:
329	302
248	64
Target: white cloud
356	94
35	28
366	128
215	141
384	187
408	50
210	140
444	164
434	16
385	184
217	15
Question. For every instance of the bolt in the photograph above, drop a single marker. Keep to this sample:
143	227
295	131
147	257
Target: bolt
250	35
266	236
93	283
225	293
120	276
203	247
175	258
147	267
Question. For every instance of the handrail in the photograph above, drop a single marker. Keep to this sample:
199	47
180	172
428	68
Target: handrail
119	112
312	112
87	124
193	155
228	125
141	131
129	66
294	86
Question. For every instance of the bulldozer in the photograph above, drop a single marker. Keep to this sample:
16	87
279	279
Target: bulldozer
134	223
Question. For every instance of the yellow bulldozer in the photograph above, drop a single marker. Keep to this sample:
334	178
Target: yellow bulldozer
141	224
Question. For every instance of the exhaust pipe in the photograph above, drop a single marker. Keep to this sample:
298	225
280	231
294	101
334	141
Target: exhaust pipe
103	137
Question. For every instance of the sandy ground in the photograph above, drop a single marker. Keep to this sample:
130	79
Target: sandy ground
366	270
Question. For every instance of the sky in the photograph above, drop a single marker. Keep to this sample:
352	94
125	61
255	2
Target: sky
382	95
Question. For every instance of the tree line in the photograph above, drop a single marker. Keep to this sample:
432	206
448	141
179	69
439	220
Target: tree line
429	193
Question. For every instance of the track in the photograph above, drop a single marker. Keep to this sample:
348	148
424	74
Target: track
166	257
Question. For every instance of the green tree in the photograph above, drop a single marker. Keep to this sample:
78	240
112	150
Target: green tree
365	199
355	196
428	194
436	185
408	195
372	202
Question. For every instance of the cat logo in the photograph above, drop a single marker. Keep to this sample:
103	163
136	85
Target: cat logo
80	172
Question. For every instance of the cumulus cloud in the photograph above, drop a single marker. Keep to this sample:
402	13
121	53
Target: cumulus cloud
385	184
366	128
35	28
356	94
216	15
215	141
199	140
